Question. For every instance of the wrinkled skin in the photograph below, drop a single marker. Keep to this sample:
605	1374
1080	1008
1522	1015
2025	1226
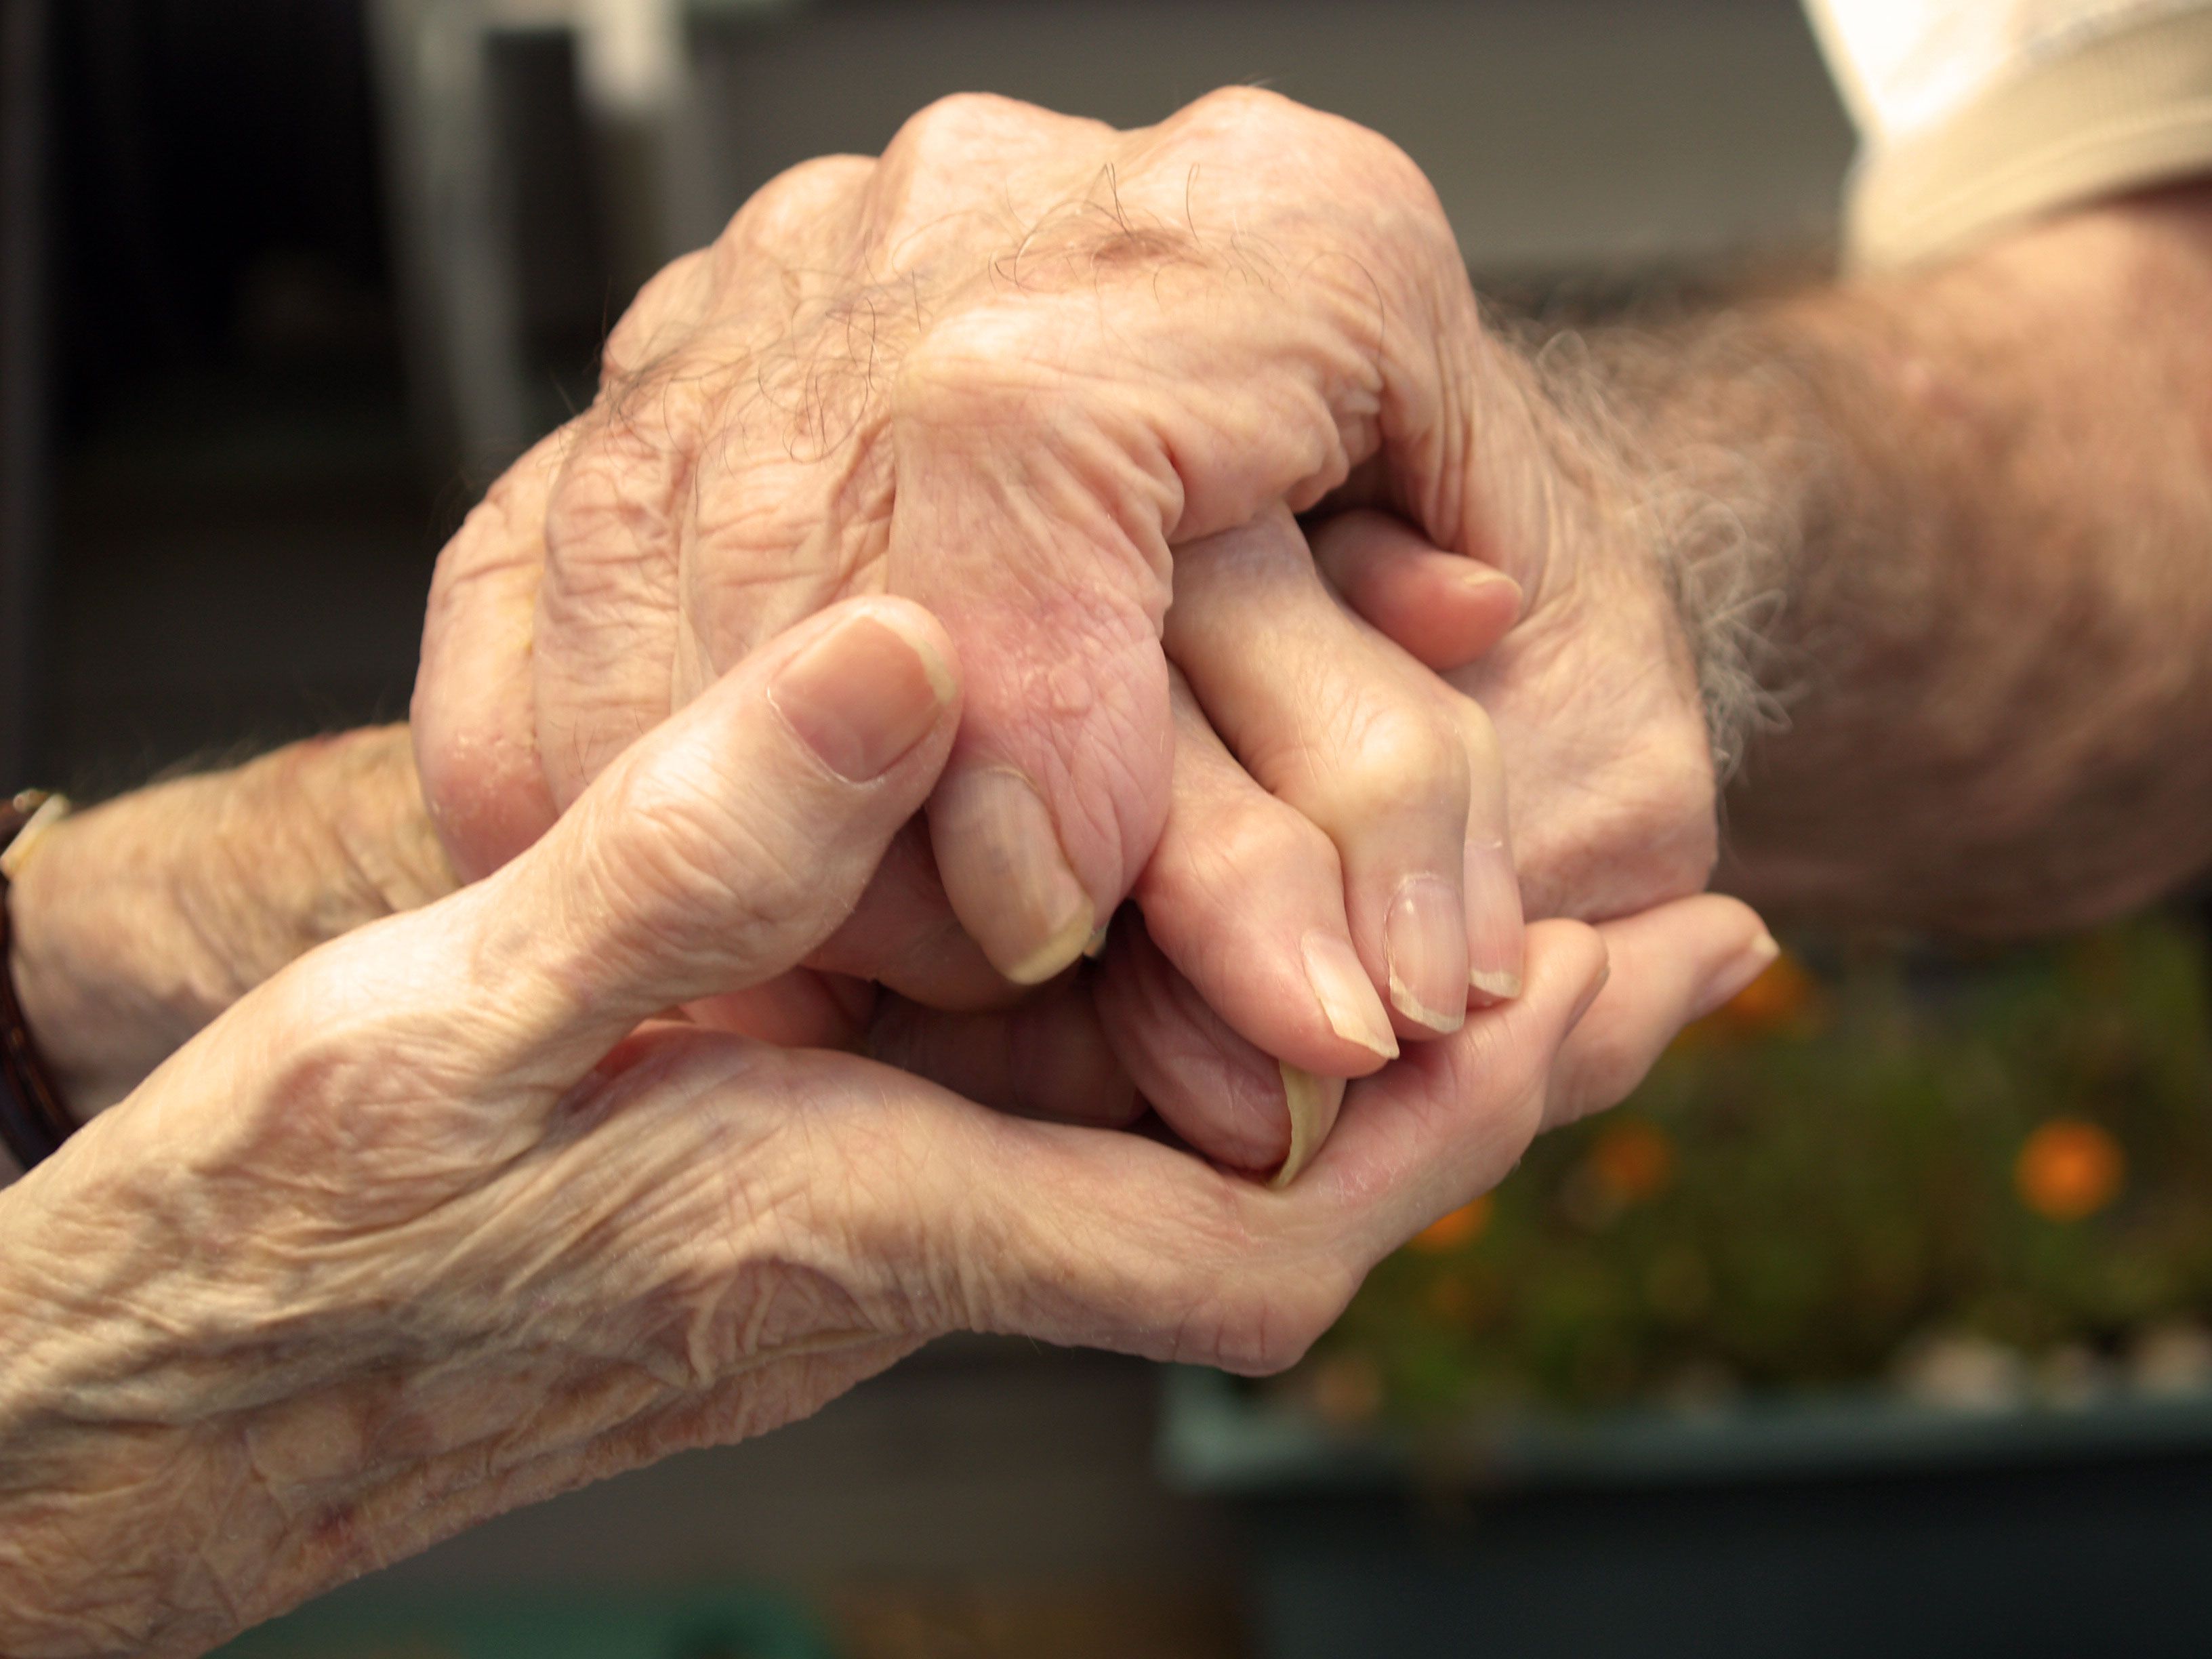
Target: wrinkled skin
1007	369
445	1218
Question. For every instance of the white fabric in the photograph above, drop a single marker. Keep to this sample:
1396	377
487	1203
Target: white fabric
1907	66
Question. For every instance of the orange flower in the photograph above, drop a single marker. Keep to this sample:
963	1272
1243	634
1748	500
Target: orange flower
1632	1160
1782	996
1448	1232
2068	1169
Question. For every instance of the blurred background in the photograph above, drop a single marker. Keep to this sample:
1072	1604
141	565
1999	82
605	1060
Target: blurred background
1873	1324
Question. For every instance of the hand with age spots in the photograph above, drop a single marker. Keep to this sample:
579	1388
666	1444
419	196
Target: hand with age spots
448	1216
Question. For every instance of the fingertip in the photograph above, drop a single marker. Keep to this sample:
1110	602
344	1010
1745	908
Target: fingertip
931	641
872	684
1443	609
1009	882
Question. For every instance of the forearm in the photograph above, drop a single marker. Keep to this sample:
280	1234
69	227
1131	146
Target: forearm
1954	530
137	922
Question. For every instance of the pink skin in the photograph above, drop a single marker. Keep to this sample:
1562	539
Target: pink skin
1012	369
1202	1022
1240	881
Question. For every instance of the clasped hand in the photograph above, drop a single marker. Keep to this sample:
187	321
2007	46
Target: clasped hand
562	1172
1046	377
448	1216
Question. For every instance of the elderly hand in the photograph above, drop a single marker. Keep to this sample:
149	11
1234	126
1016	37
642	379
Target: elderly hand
445	1218
1007	369
135	922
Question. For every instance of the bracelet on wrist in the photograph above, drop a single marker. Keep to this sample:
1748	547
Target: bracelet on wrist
34	1122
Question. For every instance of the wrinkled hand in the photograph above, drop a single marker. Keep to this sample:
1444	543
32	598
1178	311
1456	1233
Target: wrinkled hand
138	920
444	1218
1007	369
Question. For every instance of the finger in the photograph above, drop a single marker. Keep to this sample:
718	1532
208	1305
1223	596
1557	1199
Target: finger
1246	899
1043	475
1347	730
1491	882
1600	1006
1049	1058
1442	609
666	309
1237	1105
1445	610
1672	964
1137	1248
903	935
638	613
725	847
474	714
1451	1119
1058	781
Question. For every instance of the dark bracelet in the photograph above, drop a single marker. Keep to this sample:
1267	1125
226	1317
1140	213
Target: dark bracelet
34	1122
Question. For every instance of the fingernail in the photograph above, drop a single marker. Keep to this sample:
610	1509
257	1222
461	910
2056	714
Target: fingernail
1346	995
1425	948
1747	965
862	696
1494	922
1095	946
1313	1101
1038	917
1481	579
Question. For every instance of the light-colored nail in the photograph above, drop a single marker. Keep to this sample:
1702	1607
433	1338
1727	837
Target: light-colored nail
1746	966
1483	578
1095	946
1424	947
1494	930
1009	882
1346	995
1313	1101
863	695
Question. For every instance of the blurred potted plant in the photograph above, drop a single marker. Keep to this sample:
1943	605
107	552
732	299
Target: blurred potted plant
1888	1210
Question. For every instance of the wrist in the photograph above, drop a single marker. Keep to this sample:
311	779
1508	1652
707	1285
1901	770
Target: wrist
143	918
1685	462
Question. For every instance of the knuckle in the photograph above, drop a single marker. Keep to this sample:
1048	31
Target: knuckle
1243	849
655	319
1242	107
955	126
806	207
1281	133
1401	760
797	195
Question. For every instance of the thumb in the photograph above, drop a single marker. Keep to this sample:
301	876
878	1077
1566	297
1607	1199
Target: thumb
1673	964
723	847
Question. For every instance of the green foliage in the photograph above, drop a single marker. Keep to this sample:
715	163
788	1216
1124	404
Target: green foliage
1820	1174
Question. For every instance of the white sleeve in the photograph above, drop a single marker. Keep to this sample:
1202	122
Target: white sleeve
1976	114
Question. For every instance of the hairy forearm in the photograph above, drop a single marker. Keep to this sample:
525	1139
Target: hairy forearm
139	921
1948	537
